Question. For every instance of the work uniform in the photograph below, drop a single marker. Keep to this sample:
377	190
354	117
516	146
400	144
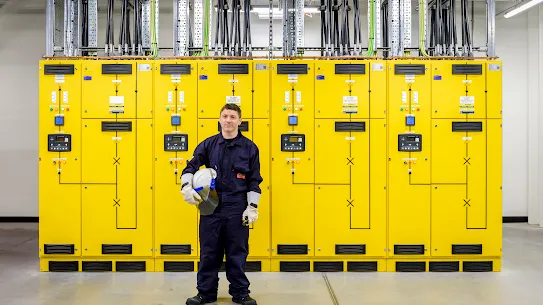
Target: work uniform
237	164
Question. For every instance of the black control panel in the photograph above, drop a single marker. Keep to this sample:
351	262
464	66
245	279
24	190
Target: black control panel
409	142
176	142
292	142
60	142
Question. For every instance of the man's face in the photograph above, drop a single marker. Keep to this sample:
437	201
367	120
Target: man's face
230	120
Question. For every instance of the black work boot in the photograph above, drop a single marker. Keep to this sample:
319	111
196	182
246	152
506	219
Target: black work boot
198	300
246	300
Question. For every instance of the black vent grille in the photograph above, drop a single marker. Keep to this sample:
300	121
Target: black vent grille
362	266
58	69
97	266
175	249
444	266
233	69
409	249
59	249
253	266
467	69
350	249
292	249
116	126
175	69
130	266
477	266
328	266
179	266
467	249
467	126
116	69
117	249
294	266
55	266
410	266
292	69
350	126
350	69
403	69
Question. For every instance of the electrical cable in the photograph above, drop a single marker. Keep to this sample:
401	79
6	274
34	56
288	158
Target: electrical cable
372	29
422	28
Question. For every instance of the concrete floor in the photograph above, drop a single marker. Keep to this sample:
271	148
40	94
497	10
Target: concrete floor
520	282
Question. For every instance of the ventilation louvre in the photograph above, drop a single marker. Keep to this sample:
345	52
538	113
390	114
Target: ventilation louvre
467	69
350	69
292	249
58	69
477	266
350	126
175	69
350	249
130	266
255	266
467	249
233	69
292	69
294	266
409	249
179	266
116	249
362	266
59	249
444	266
116	126
406	69
328	266
63	266
410	266
97	266
467	126
175	249
116	69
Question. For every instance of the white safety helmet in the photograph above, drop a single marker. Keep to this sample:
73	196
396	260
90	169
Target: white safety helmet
203	182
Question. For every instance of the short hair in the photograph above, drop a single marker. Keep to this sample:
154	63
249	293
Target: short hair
230	106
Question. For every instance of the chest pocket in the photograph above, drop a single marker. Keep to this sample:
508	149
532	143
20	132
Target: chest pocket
240	170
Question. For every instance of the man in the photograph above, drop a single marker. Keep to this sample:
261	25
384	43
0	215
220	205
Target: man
236	161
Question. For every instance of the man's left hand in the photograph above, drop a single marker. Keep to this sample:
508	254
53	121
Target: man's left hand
250	215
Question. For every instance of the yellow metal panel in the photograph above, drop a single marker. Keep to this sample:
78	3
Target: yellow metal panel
215	90
261	89
454	93
59	172
118	209
175	221
408	172
378	88
494	89
377	236
145	84
259	238
341	95
494	169
292	172
104	93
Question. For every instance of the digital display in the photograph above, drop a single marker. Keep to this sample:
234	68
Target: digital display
178	139
60	142
293	139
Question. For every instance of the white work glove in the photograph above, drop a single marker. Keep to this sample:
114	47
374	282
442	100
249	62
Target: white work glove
251	213
189	194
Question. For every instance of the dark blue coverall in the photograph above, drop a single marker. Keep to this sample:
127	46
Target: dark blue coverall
237	164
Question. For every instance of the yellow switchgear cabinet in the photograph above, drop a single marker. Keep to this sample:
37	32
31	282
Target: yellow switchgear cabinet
368	165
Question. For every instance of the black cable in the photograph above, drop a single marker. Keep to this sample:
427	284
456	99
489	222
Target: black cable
323	27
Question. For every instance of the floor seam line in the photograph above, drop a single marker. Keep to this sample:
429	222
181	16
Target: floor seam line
330	290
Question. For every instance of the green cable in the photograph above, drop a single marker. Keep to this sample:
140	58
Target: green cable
154	46
372	29
206	28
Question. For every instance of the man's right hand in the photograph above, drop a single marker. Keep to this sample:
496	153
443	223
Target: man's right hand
190	195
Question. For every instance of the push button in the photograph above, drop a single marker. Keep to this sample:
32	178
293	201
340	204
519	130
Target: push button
59	120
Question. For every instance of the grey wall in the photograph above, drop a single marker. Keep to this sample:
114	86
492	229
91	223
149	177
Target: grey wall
22	43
